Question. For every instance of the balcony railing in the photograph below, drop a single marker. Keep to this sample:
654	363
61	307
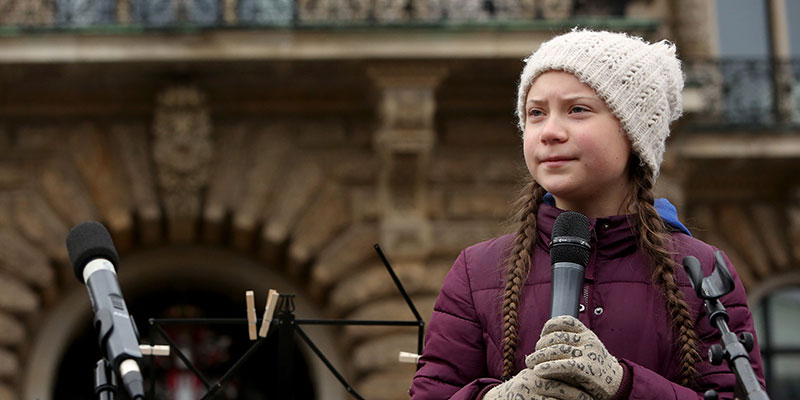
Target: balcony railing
743	92
182	14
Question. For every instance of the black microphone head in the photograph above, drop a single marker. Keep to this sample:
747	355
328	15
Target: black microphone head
87	241
570	239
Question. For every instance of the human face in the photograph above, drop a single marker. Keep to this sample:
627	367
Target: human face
574	146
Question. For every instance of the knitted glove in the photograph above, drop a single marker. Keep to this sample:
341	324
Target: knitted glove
569	352
527	386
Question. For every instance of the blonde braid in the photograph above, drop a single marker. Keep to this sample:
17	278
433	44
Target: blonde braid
518	265
652	238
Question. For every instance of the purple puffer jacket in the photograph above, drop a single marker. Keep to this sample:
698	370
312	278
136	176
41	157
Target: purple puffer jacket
463	351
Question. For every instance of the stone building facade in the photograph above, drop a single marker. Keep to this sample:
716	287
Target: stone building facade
238	153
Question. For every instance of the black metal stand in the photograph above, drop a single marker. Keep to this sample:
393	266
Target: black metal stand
105	381
286	325
735	350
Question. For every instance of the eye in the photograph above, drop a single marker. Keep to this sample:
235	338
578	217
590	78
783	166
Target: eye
578	109
535	112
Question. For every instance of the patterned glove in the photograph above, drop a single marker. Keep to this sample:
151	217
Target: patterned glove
527	386
569	352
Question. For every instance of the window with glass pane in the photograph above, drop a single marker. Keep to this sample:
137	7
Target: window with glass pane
777	320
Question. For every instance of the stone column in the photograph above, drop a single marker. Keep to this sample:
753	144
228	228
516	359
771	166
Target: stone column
671	184
404	142
781	53
695	28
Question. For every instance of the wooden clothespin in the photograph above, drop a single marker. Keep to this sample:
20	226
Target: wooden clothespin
410	358
269	310
251	314
155	350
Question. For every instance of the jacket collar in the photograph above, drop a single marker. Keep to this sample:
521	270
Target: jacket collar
611	237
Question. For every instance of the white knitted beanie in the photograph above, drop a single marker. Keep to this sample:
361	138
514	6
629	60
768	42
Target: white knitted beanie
640	82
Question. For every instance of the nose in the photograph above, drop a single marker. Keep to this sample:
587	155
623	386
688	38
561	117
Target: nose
553	130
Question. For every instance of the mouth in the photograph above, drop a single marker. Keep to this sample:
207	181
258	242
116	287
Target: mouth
554	162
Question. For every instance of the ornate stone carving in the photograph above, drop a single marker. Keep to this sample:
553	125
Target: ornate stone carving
556	9
26	13
467	10
426	10
390	10
515	9
332	11
182	151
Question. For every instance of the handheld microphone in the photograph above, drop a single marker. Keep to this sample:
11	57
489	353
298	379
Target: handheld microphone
94	258
569	254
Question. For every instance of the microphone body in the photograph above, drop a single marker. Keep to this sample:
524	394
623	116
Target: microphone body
567	284
94	258
569	254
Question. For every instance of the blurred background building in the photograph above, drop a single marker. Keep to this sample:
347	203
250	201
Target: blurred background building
234	145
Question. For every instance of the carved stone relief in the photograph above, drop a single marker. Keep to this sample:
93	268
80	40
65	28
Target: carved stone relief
182	152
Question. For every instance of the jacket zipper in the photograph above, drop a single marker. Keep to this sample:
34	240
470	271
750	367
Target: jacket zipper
586	295
589	311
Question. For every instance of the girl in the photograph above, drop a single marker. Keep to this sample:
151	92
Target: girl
594	109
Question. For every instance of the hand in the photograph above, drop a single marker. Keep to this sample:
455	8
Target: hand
527	386
569	352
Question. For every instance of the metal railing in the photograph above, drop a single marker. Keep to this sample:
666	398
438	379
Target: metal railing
755	93
181	14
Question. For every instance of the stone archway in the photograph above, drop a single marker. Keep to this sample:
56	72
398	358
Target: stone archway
221	269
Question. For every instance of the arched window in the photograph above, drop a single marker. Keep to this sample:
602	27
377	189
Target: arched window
776	310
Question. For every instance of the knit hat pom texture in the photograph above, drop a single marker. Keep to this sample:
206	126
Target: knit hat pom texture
640	82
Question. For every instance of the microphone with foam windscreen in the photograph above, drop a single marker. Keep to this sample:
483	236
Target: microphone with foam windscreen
569	254
94	258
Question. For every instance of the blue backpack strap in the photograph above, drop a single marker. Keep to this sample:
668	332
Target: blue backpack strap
669	214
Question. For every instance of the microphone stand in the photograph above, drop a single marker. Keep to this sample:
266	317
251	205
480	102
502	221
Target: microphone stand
735	350
105	380
285	326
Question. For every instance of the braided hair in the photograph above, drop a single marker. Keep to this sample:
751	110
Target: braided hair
518	266
652	238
